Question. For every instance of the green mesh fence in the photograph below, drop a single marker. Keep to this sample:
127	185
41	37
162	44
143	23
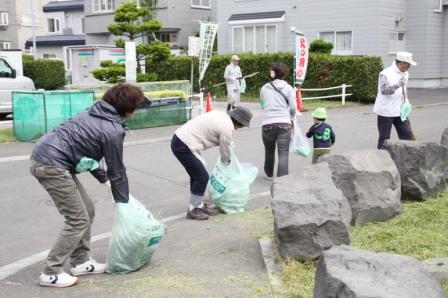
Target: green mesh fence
160	113
35	113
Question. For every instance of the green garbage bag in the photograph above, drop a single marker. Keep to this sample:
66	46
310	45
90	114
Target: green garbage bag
135	236
406	109
229	185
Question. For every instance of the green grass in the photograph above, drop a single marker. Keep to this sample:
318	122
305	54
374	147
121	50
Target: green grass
419	231
7	135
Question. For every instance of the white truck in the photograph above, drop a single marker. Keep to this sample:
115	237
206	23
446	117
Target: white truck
11	78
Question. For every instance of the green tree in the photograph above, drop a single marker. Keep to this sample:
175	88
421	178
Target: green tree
132	22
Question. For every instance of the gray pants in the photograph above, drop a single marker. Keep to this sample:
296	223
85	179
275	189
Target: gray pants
74	204
276	134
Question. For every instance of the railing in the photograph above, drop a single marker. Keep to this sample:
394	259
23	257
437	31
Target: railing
343	95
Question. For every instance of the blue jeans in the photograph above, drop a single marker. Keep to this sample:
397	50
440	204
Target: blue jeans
194	167
276	134
385	126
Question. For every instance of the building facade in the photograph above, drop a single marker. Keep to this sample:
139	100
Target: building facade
180	19
64	26
374	28
16	22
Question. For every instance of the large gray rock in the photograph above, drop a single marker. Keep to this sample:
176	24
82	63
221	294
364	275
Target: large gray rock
423	167
444	140
346	272
369	179
310	213
438	267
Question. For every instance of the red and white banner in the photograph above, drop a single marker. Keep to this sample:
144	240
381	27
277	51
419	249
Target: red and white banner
301	58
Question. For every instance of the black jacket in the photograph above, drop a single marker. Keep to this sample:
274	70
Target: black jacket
322	134
95	133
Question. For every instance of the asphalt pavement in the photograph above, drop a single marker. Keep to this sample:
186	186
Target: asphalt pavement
215	258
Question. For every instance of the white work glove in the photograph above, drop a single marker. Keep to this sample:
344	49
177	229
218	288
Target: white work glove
401	83
108	186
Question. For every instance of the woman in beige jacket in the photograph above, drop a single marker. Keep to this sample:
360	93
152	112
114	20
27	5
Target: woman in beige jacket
190	140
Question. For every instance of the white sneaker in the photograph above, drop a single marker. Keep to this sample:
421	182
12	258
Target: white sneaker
88	267
61	280
268	178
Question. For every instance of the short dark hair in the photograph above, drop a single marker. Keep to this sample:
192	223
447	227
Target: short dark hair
125	98
280	69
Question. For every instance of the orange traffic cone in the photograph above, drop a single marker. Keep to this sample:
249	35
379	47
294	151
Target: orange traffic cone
208	105
299	100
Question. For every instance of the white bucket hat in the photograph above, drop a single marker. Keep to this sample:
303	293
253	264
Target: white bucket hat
406	57
235	58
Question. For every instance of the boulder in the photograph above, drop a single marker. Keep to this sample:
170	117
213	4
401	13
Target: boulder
438	267
423	167
310	213
344	271
370	180
444	140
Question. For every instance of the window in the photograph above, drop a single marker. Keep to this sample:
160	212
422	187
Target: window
256	39
5	45
5	69
341	41
167	37
53	25
397	42
83	25
103	5
49	56
200	3
4	18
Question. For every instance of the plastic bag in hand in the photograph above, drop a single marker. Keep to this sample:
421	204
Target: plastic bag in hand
405	110
242	86
135	236
229	185
299	144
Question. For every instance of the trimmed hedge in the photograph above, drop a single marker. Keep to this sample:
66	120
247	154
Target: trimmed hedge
323	71
47	74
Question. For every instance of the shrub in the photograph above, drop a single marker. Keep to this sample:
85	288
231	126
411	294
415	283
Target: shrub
110	72
323	71
146	77
46	74
321	46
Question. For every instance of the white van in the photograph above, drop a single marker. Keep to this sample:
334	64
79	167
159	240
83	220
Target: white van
10	81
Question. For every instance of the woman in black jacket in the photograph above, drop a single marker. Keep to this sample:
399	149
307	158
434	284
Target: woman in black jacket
78	145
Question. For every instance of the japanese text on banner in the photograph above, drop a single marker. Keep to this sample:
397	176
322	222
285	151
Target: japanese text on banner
301	58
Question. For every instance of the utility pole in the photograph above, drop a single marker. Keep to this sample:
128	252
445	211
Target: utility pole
33	28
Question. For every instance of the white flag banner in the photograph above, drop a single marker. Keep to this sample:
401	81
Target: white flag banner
206	40
301	58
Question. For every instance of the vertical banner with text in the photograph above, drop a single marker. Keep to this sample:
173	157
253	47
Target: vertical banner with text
131	62
206	40
301	58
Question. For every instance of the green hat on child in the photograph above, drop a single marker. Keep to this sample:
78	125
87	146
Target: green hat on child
319	113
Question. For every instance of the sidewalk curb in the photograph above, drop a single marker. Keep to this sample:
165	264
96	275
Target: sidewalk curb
271	262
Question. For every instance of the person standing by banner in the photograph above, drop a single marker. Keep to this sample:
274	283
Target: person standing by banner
278	112
391	85
233	75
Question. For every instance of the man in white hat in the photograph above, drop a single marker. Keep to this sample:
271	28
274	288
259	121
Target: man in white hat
233	77
392	85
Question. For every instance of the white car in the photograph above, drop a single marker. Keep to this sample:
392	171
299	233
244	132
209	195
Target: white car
9	81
